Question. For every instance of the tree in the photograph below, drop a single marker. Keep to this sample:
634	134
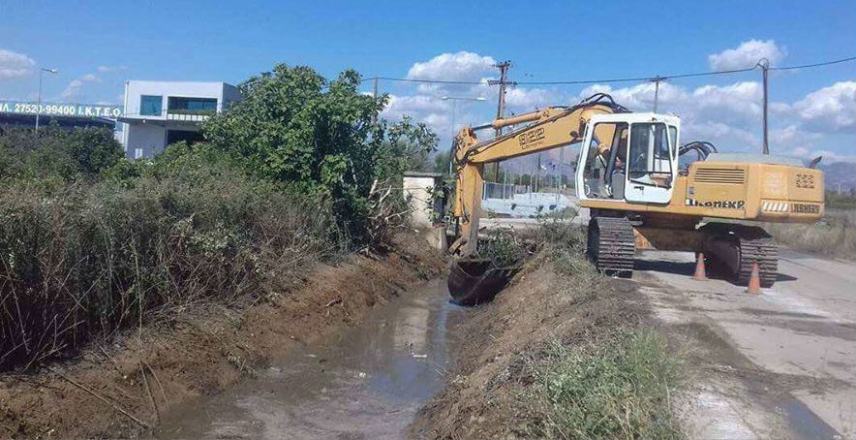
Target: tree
441	162
320	137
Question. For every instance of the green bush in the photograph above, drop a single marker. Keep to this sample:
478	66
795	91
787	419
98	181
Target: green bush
323	137
55	154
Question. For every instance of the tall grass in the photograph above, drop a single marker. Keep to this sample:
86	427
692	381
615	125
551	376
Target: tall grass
617	388
835	235
615	383
88	259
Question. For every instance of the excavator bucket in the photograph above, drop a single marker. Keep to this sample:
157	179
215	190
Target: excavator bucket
475	280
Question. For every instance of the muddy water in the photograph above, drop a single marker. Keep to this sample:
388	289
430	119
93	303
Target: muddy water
363	383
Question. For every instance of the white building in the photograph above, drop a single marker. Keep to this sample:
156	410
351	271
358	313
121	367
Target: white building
159	113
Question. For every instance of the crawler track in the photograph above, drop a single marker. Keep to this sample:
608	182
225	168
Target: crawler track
763	250
750	244
611	245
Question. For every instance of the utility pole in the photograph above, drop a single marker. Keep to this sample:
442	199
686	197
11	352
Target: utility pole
503	80
656	80
500	107
764	64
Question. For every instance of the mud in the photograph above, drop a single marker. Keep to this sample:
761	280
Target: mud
365	382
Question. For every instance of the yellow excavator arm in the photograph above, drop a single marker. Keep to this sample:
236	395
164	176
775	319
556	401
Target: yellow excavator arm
550	128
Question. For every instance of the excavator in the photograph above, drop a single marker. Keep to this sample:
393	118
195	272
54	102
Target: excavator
629	175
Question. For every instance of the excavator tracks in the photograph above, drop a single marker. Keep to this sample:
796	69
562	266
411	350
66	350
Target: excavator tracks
738	247
611	245
763	251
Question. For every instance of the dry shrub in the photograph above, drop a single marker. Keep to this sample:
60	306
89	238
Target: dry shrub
835	235
91	259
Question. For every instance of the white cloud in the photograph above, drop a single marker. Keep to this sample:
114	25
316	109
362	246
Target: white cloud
728	116
746	55
735	102
399	106
792	134
641	96
74	88
422	108
830	108
738	103
110	69
460	66
426	104
524	100
15	65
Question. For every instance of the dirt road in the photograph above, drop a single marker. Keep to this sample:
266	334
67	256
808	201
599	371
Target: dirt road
790	364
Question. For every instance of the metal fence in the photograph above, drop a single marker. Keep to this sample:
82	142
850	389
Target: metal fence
492	190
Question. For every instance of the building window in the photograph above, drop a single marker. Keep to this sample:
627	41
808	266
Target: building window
191	137
151	105
138	153
192	106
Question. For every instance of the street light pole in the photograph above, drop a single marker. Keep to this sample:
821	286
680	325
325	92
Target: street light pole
42	70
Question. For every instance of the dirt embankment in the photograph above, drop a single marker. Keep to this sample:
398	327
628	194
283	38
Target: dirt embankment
506	341
118	390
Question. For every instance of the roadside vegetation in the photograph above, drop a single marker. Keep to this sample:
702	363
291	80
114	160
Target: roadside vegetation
834	235
614	384
92	244
562	353
618	387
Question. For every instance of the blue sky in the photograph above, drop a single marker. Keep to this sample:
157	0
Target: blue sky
97	45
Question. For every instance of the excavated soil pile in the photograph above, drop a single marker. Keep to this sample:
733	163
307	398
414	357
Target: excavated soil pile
118	389
506	339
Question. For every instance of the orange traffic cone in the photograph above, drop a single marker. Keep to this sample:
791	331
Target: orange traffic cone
755	280
700	274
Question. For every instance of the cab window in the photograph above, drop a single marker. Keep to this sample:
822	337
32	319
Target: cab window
649	150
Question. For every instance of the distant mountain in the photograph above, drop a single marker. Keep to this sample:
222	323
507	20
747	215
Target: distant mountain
839	175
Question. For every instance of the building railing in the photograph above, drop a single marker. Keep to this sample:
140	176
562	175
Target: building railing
175	115
188	115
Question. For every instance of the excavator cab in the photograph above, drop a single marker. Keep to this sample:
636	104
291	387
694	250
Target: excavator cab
629	157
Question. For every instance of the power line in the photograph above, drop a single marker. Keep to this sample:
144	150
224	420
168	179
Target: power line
426	81
806	66
617	80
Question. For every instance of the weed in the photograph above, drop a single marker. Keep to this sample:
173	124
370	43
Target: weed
88	260
616	388
502	248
